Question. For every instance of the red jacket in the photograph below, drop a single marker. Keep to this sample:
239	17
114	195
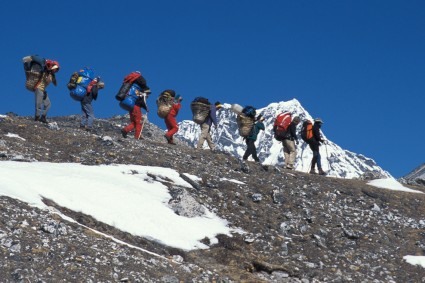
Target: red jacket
175	109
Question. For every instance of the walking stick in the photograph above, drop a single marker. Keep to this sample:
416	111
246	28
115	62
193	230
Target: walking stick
327	157
143	124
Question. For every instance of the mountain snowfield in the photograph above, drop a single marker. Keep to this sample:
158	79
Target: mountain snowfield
337	161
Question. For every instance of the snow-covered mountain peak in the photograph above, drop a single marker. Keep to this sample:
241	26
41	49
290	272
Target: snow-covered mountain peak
339	162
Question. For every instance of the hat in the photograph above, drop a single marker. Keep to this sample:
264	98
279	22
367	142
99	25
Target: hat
296	119
100	84
318	120
218	105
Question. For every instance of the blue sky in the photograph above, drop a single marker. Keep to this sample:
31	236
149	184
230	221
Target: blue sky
359	65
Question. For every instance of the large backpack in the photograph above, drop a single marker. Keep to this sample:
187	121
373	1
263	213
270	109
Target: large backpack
126	85
165	102
307	131
79	83
281	125
130	100
34	67
200	107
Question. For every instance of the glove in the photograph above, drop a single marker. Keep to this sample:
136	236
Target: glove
44	95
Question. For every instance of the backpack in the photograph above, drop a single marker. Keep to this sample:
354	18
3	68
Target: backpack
249	111
201	99
200	107
281	125
81	80
34	63
307	131
34	67
165	102
73	81
130	78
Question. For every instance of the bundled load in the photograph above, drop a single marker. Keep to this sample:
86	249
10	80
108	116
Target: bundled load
164	102
281	125
34	67
246	120
236	108
79	83
130	100
200	107
126	85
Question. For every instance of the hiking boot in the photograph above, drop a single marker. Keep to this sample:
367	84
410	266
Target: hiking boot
171	141
37	118
312	171
43	119
321	172
168	139
123	133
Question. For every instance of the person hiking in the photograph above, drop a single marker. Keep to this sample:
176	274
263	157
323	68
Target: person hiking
314	144
206	126
170	119
250	140
87	115
289	143
136	117
45	75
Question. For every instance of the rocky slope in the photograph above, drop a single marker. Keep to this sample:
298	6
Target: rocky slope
296	227
416	177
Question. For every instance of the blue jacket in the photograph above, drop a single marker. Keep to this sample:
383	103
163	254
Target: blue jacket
212	116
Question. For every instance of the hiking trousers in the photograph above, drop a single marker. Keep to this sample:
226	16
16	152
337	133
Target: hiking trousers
205	135
135	122
42	103
171	124
290	152
87	116
251	150
316	160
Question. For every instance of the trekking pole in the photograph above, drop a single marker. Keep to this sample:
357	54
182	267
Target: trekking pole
143	124
327	157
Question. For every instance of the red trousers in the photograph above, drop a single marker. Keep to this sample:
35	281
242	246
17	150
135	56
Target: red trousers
135	122
171	123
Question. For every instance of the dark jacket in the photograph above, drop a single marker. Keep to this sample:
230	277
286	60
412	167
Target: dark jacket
316	132
141	82
292	132
212	116
255	130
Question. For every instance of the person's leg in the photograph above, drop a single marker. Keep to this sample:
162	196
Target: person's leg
137	122
209	139
84	115
254	151
202	136
38	95
90	115
292	153
286	152
131	125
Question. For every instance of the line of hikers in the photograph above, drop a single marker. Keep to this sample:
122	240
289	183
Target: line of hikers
133	93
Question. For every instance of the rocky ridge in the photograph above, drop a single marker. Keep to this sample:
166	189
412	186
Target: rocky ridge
297	227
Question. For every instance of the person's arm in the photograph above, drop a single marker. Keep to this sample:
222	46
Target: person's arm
213	115
141	82
293	131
